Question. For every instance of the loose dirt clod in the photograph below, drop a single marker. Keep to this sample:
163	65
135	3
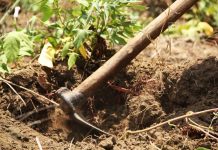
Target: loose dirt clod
108	143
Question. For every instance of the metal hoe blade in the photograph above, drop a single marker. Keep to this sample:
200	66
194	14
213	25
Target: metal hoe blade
68	105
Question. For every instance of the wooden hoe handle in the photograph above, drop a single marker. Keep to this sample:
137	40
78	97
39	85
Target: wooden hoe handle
124	56
71	99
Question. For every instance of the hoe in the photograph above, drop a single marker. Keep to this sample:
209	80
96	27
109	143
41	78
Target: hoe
71	100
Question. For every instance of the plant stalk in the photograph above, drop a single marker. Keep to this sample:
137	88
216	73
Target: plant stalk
8	11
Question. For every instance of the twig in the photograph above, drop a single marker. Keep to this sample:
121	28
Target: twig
171	120
200	126
194	123
33	104
38	143
45	98
8	12
26	115
71	143
38	122
16	93
202	130
118	88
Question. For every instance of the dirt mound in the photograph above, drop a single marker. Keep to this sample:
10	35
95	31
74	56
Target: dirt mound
194	90
156	89
197	83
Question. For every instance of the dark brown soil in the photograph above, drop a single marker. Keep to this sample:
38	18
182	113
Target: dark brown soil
163	83
171	77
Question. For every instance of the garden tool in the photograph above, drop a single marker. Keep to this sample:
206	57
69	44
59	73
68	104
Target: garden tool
71	100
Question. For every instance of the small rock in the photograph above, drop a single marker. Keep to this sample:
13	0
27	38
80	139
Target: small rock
108	143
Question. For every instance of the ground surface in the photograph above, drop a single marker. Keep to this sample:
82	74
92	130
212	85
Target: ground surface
162	83
171	77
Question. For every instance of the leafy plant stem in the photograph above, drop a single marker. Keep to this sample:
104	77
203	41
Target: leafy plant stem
57	7
89	16
8	12
15	24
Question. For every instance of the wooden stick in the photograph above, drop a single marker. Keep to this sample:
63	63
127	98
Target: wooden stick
45	101
38	122
172	120
38	143
207	133
201	128
26	115
16	93
123	57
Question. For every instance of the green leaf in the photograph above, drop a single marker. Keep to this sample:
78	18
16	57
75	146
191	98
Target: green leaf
137	6
76	11
47	12
4	68
26	48
65	50
128	32
106	13
11	46
202	148
80	37
25	51
53	41
17	44
54	26
72	59
118	39
83	2
3	59
38	38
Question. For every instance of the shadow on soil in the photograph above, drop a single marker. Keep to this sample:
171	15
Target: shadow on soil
196	89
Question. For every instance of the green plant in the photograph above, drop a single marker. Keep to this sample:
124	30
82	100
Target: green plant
14	45
192	29
206	11
199	21
89	26
202	148
86	29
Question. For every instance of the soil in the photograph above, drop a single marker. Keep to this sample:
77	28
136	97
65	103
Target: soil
171	77
160	84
